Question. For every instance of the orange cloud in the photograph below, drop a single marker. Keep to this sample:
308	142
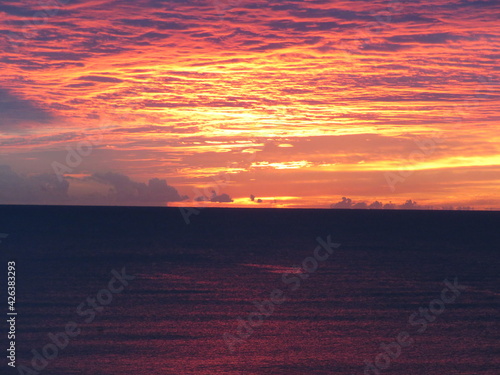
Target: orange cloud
327	96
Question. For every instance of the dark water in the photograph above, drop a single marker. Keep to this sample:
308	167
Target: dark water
194	281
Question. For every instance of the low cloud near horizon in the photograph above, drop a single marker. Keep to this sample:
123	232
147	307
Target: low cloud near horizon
111	188
348	203
102	189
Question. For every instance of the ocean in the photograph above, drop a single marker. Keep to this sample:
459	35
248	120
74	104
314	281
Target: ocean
131	290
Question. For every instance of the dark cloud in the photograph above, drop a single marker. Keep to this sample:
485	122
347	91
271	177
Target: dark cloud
301	26
18	141
348	203
413	18
154	36
221	198
344	203
37	189
19	11
78	85
202	35
14	110
157	129
123	190
64	56
47	188
172	15
100	79
434	38
376	205
271	46
384	47
409	205
160	25
476	3
341	14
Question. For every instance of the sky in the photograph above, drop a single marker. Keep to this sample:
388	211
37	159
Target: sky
250	103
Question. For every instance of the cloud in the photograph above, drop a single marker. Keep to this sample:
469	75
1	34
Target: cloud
344	203
302	26
221	198
409	205
124	190
100	188
17	11
375	205
38	189
100	79
200	83
64	56
384	47
14	110
348	203
434	38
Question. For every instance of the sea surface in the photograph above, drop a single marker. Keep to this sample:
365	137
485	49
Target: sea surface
196	286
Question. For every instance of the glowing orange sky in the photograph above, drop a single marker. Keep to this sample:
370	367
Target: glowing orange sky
298	102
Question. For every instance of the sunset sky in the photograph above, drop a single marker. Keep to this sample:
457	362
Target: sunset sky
299	103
